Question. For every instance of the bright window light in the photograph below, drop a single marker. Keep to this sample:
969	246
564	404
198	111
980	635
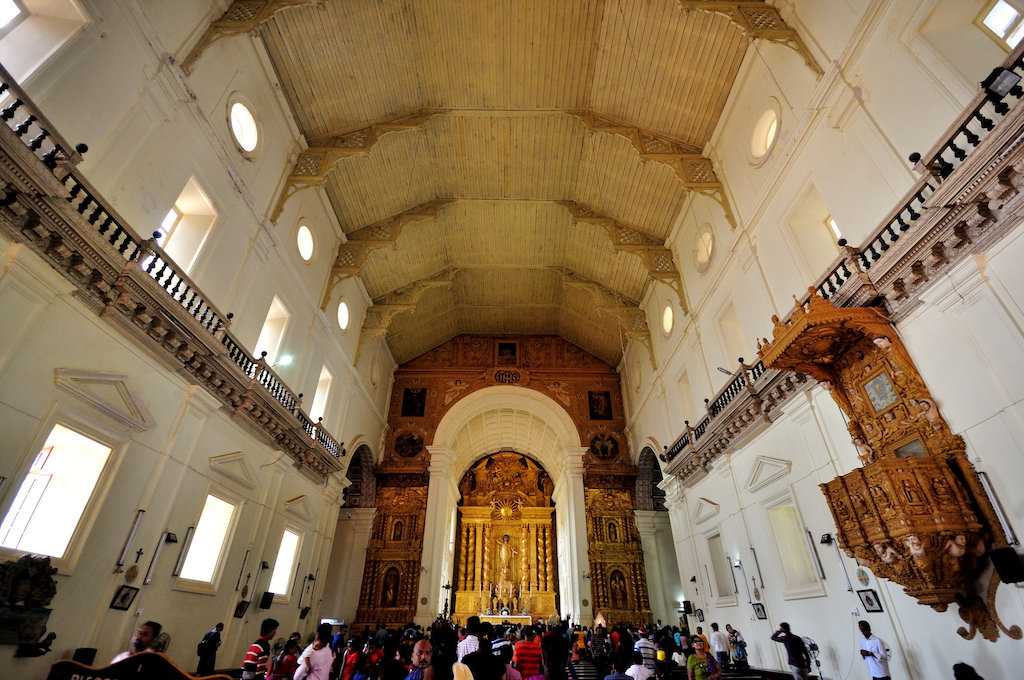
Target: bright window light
766	129
9	11
704	248
273	331
667	319
208	540
343	315
831	224
304	240
243	127
1001	18
280	582
51	501
323	390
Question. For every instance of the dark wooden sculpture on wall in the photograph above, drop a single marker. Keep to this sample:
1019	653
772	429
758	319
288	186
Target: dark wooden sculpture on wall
916	512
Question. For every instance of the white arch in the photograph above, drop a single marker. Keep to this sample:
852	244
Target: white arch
507	417
486	421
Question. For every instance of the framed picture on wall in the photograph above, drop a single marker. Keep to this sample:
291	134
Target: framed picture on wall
123	598
700	615
869	598
759	611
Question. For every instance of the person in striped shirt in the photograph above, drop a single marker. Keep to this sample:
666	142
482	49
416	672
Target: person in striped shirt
255	665
646	649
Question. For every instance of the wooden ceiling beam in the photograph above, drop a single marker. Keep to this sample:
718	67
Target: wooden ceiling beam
242	17
696	172
655	255
316	162
352	253
385	308
629	316
759	21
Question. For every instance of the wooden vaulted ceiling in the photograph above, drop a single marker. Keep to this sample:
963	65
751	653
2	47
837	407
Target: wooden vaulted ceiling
516	182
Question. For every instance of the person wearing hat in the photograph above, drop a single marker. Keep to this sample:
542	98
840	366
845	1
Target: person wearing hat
646	649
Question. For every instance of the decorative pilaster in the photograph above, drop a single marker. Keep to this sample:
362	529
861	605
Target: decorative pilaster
569	498
441	495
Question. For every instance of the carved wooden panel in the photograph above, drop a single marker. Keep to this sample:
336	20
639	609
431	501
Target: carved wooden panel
615	554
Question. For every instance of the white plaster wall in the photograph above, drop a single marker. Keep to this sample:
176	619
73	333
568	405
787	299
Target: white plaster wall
165	470
896	76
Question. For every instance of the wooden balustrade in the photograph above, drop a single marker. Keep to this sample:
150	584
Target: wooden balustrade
68	220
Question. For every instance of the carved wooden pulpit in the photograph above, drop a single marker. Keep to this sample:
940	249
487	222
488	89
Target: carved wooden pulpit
916	512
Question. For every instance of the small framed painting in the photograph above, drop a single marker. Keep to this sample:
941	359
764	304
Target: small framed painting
700	615
123	598
869	598
759	611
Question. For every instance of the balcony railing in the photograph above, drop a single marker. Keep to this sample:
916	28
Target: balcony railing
180	293
852	277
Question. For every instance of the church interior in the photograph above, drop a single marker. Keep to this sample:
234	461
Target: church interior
374	311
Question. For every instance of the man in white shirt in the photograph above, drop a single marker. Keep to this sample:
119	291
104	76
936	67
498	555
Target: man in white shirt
471	642
874	653
720	644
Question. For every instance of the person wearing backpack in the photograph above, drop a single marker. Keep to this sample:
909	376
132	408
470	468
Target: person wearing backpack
207	650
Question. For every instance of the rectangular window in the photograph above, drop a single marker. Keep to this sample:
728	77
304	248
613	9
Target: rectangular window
281	580
208	541
722	568
186	225
51	501
798	572
272	332
734	340
323	390
1003	21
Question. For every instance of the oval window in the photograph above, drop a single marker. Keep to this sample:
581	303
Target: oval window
343	314
667	318
704	247
766	131
304	240
243	127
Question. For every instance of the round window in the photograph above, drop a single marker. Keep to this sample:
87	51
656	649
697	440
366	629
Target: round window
766	132
304	240
704	247
343	315
667	318
243	127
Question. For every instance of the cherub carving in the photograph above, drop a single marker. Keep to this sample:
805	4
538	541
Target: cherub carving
864	451
914	545
886	553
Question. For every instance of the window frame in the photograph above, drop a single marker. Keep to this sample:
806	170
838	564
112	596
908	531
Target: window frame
66	563
790	591
239	98
210	587
285	597
1018	24
730	600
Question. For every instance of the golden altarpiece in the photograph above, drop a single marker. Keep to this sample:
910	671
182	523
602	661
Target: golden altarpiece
490	572
916	512
505	562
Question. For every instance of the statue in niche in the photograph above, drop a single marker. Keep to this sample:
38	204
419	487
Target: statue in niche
613	532
396	531
505	554
389	595
617	586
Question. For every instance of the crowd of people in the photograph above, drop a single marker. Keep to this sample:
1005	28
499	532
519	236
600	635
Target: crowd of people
483	651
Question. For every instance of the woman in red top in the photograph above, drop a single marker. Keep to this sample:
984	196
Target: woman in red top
352	659
284	664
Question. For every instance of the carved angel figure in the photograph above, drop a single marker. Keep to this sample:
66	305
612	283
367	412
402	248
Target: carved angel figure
864	452
887	553
914	545
956	546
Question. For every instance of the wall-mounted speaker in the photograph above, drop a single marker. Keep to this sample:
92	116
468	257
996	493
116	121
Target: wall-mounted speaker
1008	565
687	607
266	600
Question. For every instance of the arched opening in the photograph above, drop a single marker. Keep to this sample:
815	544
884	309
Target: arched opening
505	562
522	424
649	495
362	491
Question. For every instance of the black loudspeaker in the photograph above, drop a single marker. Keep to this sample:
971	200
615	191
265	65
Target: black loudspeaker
687	607
266	600
1008	565
85	655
